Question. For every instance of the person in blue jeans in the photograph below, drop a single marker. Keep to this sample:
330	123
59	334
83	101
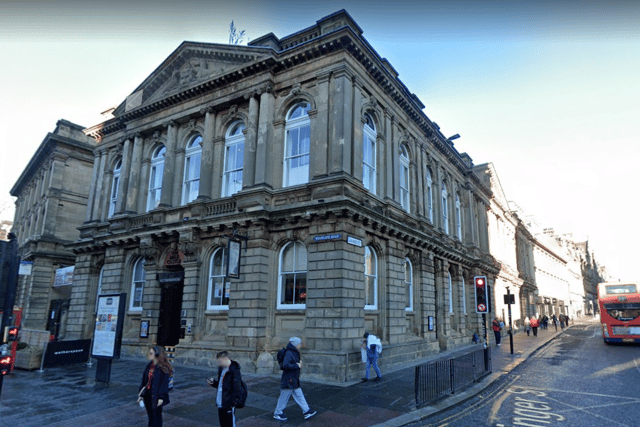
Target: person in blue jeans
371	344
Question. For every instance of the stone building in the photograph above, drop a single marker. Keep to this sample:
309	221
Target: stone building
51	201
353	211
511	246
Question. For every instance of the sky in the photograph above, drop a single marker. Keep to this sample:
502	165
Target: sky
548	91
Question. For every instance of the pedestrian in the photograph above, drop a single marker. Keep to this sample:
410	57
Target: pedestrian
229	385
527	326
554	318
497	330
562	321
567	319
154	388
534	325
372	348
290	382
545	322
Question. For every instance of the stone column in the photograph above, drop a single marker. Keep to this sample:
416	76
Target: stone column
206	164
341	124
395	160
134	183
264	141
389	155
319	137
123	182
437	197
472	220
166	196
178	177
250	143
97	159
218	165
97	198
144	185
416	166
358	123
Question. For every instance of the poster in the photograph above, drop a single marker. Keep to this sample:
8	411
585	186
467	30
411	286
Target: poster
64	277
144	329
233	261
107	326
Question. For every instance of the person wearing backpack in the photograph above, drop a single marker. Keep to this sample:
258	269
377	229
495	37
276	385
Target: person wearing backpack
231	390
289	359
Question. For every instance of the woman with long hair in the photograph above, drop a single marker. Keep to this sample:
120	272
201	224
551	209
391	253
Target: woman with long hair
154	388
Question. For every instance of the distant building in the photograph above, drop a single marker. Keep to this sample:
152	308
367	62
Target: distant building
5	228
51	202
358	213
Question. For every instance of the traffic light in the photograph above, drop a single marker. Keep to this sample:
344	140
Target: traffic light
482	300
10	334
5	365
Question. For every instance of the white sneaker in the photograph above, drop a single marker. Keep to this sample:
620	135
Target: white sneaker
280	417
309	414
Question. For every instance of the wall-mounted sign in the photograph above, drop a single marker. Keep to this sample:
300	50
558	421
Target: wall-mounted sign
233	260
327	237
174	258
107	334
431	323
25	268
64	277
167	277
353	241
144	329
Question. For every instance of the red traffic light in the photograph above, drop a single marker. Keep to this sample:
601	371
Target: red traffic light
10	334
480	281
5	365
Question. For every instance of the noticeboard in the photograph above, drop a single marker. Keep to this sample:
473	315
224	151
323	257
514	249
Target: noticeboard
233	259
107	334
64	277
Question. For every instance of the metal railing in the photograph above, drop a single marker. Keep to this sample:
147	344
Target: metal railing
440	378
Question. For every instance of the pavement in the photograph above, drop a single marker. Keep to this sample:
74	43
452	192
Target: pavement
69	396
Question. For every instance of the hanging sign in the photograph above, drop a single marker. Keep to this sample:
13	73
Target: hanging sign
233	259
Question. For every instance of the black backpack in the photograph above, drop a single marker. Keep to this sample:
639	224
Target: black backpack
280	356
243	396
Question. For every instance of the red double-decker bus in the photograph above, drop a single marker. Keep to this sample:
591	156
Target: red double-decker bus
619	312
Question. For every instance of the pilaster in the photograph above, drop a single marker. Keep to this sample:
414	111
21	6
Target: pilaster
168	176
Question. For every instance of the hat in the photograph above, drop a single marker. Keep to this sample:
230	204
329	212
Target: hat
295	341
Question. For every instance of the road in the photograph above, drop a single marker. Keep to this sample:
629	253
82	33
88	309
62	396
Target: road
576	380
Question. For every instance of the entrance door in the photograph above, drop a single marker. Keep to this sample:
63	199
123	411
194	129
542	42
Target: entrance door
170	308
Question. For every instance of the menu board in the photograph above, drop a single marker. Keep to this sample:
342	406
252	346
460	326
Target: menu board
108	330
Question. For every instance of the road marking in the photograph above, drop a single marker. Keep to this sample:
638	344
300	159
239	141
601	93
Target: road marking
609	420
637	365
578	392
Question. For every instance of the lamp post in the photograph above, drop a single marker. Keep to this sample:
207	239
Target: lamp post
509	302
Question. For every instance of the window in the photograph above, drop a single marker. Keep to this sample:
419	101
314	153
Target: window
369	154
404	178
445	208
99	290
292	292
233	160
115	183
218	286
191	183
430	195
297	144
408	283
370	279
464	298
137	286
450	292
155	178
458	218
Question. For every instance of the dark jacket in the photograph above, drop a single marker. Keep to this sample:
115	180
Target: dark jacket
290	369
159	385
231	385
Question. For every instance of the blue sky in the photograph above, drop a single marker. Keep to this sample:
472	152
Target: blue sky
548	91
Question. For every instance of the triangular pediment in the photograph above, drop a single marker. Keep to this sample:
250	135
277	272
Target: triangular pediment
189	65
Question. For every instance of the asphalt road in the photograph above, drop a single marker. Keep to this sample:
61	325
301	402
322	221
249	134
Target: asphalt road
576	380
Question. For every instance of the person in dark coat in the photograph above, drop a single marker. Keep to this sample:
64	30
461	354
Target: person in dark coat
229	385
154	388
290	382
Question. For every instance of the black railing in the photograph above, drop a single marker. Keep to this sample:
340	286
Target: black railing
440	378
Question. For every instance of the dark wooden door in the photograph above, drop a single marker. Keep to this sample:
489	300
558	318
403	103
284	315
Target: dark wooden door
170	309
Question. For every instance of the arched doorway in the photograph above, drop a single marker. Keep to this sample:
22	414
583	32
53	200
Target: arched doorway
169	321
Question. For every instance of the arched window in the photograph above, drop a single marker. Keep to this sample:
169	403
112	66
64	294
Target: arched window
115	183
464	297
99	290
408	283
450	292
292	290
445	208
404	179
218	287
233	160
191	183
458	218
369	154
137	286
297	145
430	195
155	178
370	279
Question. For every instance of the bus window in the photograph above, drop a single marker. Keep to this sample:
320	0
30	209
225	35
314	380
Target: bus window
620	289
